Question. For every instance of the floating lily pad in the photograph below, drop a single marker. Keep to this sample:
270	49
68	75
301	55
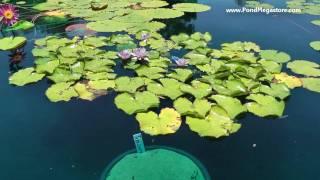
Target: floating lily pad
150	72
139	102
315	45
191	7
216	124
265	105
181	74
312	84
303	67
199	108
316	22
9	43
197	89
25	76
274	55
290	81
127	84
61	92
276	90
168	87
21	25
232	106
167	122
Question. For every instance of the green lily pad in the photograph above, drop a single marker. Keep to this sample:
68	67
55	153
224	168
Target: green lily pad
265	105
232	106
25	76
63	75
139	102
315	45
61	92
21	25
276	90
168	87
127	84
316	22
216	124
197	89
191	7
274	55
150	72
9	43
84	92
303	67
168	122
312	84
47	67
181	74
199	108
102	84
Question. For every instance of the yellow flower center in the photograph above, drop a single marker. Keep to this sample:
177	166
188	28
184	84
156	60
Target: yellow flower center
8	14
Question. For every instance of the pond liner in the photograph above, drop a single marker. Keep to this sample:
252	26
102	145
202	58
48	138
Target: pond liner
180	165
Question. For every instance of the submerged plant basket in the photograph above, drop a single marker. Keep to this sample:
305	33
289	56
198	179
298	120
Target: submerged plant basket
157	163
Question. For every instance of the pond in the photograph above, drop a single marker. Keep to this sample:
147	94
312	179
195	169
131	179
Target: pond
76	140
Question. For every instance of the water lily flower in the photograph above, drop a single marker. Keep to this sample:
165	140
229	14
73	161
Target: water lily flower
141	54
125	54
8	14
181	62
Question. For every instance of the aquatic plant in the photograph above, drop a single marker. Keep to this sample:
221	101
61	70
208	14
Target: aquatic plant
181	62
9	15
121	15
10	43
125	54
215	88
140	54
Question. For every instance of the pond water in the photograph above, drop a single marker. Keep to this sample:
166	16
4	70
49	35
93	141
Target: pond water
77	140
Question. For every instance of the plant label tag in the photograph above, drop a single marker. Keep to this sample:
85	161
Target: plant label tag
138	141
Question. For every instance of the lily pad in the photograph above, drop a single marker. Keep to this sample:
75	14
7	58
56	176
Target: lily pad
312	84
290	81
150	72
197	89
127	84
168	122
232	106
168	87
216	124
274	55
316	22
61	92
199	108
139	102
25	76
21	25
9	43
265	105
276	90
315	45
303	67
181	74
191	7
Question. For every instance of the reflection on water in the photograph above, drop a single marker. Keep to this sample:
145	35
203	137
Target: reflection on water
15	58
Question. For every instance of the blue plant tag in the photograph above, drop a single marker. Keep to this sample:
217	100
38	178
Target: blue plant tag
138	141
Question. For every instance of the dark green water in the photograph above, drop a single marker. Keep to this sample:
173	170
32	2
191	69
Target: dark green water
76	140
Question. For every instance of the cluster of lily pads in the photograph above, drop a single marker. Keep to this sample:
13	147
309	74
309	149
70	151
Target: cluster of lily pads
308	7
255	4
121	15
209	88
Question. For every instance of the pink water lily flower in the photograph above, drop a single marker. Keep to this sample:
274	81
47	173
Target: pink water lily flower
125	54
9	15
141	54
181	62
